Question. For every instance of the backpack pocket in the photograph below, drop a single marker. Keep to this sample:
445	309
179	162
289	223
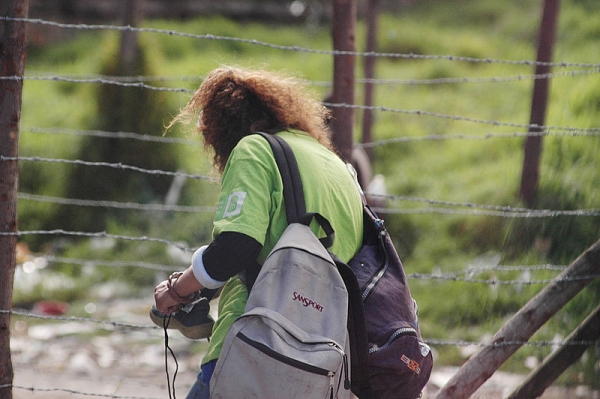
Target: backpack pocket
405	379
268	357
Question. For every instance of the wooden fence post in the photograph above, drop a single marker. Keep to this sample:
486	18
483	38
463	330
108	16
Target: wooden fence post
369	62
343	31
128	52
533	144
523	325
555	364
13	46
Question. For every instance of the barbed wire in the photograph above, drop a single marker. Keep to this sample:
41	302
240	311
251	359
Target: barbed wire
427	113
520	268
102	234
462	204
576	130
24	313
497	282
531	214
417	276
108	263
458	118
161	267
378	143
488	210
112	323
594	130
117	165
486	136
140	85
539	344
471	270
127	78
33	389
117	135
117	205
412	56
493	79
74	392
97	378
138	81
476	209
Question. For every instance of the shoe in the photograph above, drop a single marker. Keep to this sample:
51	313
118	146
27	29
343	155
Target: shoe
192	321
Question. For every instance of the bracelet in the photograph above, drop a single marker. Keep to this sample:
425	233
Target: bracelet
174	295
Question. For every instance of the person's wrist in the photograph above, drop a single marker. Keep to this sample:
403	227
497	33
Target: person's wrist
173	292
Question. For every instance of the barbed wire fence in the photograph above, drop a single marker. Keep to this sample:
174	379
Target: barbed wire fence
468	275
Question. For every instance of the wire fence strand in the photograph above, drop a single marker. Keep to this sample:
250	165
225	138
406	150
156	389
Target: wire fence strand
117	205
402	139
411	56
111	165
139	81
487	210
458	343
111	135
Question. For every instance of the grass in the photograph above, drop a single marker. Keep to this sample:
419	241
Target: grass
485	171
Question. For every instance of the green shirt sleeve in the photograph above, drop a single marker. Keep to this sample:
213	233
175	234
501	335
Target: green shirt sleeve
251	194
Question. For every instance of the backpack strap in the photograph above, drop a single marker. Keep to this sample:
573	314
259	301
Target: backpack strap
296	213
293	192
357	331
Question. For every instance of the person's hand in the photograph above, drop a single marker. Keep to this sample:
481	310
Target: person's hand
163	300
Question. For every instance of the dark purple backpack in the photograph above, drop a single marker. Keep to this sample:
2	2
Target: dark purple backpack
389	357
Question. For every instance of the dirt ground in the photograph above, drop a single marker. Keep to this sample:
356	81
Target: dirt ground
72	359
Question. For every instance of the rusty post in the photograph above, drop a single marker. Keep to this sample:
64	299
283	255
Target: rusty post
128	52
533	144
343	31
369	62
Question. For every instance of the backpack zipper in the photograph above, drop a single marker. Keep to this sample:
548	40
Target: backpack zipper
285	359
344	363
331	384
399	332
379	275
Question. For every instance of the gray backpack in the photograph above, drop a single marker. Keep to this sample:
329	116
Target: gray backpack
292	340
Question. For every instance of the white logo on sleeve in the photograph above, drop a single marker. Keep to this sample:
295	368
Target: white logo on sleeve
234	204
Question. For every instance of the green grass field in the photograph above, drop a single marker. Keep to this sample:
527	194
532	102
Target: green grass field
483	171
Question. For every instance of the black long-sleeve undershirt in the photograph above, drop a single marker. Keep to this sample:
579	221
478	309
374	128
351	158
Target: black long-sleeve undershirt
232	253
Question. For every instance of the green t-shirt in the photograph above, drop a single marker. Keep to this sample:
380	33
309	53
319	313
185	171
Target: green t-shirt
251	202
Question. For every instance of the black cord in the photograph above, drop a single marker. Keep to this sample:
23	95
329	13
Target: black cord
166	321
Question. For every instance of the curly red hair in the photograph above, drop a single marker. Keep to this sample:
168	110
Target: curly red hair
234	102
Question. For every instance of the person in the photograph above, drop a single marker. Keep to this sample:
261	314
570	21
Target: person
233	104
